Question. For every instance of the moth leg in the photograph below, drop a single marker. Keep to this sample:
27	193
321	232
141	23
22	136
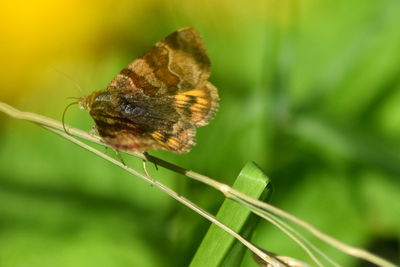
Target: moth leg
119	157
147	155
155	166
144	164
93	131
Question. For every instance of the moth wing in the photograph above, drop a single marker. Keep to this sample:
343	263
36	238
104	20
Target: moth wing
128	141
180	140
177	69
198	105
141	123
177	63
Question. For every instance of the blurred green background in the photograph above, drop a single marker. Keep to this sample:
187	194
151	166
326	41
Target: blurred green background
310	90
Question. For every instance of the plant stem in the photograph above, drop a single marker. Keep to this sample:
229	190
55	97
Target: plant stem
255	205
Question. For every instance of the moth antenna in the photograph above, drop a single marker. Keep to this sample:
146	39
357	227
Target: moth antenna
63	116
71	79
73	97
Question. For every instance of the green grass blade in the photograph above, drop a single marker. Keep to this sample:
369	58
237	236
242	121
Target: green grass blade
218	247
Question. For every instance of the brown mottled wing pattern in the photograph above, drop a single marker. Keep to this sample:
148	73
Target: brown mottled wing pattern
179	62
158	100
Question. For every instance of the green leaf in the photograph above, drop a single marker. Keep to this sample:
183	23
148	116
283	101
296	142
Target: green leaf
218	248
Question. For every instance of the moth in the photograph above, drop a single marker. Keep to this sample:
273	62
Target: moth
158	100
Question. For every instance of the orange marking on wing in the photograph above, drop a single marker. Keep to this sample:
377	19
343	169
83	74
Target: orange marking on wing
182	98
173	142
195	110
195	92
158	136
202	101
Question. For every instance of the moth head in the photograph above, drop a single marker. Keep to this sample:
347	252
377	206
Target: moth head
87	101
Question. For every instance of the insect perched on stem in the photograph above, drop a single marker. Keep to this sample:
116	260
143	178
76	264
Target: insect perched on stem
158	100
